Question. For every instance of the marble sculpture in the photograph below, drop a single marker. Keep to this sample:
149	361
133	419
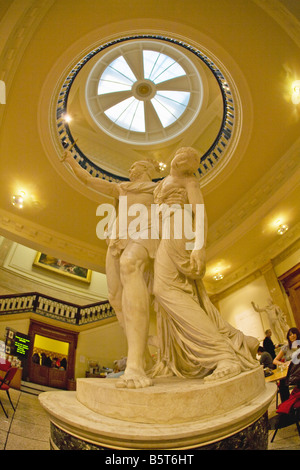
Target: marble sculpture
193	339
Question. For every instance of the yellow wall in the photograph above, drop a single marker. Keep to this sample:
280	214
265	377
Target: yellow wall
236	308
50	344
288	263
19	275
20	325
103	344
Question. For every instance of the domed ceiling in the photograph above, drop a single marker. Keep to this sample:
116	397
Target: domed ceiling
145	92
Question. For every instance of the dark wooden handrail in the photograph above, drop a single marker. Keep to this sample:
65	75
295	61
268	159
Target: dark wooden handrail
57	309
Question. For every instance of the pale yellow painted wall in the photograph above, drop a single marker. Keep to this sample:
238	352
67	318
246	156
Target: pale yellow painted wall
22	326
103	344
288	263
19	261
236	308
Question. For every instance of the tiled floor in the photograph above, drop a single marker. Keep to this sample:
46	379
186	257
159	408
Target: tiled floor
286	438
28	427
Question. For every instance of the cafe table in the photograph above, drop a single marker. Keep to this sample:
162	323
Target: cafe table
278	374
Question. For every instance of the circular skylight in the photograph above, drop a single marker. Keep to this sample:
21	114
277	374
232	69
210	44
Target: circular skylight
177	95
144	92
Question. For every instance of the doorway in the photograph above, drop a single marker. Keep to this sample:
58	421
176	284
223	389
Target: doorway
291	283
51	359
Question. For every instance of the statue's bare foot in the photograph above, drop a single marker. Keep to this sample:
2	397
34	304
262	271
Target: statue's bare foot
133	378
224	370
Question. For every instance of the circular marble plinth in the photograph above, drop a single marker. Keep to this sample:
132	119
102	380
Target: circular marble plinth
254	437
171	400
76	423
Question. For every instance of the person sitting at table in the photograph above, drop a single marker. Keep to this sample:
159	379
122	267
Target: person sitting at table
285	355
287	350
265	358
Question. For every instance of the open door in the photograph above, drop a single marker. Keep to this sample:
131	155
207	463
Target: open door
291	283
51	359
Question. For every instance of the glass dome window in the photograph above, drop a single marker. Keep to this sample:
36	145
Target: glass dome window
140	94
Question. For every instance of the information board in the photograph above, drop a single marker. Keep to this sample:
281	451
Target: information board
22	343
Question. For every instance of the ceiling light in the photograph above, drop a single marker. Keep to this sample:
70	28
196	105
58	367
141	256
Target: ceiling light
218	277
162	166
282	229
17	200
296	92
67	118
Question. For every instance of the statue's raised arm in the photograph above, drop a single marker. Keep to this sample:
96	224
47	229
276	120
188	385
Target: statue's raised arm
98	184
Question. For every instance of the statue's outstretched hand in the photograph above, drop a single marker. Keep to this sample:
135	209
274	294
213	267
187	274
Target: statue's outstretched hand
198	263
66	156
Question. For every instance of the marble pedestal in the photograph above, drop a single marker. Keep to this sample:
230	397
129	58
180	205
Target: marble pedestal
174	414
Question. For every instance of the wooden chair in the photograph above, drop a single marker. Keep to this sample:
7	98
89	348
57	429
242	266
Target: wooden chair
5	385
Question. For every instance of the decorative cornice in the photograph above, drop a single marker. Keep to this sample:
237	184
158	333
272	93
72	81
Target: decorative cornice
280	13
213	155
258	262
45	240
20	23
284	172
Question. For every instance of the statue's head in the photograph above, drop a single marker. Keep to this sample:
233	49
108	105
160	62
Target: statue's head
143	169
186	160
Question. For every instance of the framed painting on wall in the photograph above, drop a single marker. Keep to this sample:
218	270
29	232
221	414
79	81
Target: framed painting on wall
62	267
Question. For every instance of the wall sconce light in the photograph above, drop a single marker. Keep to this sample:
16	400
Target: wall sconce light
18	200
296	92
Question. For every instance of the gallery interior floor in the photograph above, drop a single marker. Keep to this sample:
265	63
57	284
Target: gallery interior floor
28	427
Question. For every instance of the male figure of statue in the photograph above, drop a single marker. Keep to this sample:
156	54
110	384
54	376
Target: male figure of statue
127	262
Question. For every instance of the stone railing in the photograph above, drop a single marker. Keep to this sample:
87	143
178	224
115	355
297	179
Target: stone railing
55	308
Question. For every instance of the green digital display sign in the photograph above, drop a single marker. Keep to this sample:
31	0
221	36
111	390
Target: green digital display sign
16	343
21	344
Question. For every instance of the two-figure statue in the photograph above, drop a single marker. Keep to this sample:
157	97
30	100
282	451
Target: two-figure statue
193	340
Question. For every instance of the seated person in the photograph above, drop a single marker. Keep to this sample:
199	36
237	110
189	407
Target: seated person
286	354
265	358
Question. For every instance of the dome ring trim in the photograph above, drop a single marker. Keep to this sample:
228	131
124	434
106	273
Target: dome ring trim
208	160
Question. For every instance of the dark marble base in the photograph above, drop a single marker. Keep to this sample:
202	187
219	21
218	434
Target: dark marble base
254	437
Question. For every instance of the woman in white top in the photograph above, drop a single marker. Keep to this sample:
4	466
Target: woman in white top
287	350
285	354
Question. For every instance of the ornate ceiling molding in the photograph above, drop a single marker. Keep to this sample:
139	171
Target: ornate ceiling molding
286	170
231	122
274	250
280	13
47	105
42	239
17	28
